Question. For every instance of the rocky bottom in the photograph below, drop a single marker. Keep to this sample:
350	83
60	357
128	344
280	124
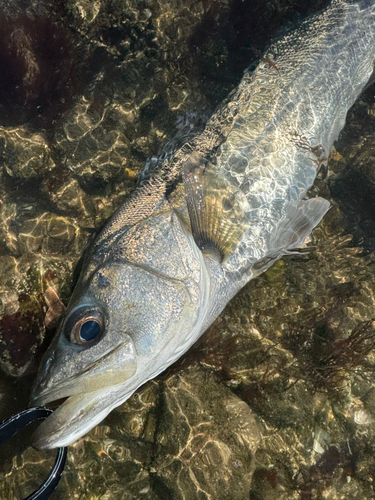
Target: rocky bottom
277	400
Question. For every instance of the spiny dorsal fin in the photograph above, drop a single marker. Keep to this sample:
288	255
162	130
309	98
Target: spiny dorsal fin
216	209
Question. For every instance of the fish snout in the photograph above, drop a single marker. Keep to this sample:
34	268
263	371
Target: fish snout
96	368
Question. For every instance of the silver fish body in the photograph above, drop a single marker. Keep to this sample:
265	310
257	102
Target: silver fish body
205	221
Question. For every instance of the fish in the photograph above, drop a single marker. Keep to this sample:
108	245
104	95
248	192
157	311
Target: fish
204	220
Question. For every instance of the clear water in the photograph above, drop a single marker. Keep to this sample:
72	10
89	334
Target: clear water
277	400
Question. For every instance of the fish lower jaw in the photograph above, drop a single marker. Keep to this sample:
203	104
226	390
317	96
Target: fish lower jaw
57	431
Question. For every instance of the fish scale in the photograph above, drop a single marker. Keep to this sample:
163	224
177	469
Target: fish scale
296	108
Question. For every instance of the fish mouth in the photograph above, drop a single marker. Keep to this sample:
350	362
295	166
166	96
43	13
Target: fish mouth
90	391
91	376
76	416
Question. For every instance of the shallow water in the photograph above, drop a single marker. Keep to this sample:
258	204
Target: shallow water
277	400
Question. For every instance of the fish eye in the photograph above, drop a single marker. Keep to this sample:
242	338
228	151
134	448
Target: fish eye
85	325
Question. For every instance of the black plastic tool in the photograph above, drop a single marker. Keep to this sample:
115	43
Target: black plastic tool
12	425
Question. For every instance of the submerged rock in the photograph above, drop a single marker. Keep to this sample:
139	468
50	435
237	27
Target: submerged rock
206	450
24	154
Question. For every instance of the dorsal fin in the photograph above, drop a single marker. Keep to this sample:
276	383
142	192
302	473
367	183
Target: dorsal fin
216	209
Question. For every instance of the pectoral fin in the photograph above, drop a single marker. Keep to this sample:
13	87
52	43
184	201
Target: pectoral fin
216	209
301	218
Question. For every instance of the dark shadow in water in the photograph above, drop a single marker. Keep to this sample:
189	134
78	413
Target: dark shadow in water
43	67
354	191
244	30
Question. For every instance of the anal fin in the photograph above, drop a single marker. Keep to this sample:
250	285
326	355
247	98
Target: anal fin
301	218
216	208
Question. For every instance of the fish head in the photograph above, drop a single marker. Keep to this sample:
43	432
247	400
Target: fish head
138	305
